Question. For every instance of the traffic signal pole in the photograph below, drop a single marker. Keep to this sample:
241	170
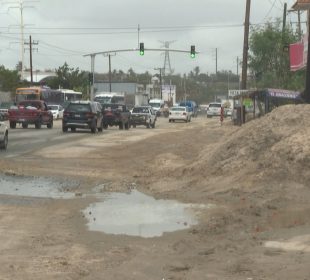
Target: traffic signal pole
92	66
108	53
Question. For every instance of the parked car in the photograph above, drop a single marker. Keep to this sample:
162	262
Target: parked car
193	107
214	109
4	108
143	115
57	111
4	133
84	115
179	113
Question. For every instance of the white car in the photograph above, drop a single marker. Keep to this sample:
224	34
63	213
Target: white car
57	111
180	113
214	109
4	134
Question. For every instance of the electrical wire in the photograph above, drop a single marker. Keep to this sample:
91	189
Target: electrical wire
62	49
270	10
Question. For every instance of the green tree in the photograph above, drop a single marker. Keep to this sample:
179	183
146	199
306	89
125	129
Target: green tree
9	80
69	78
268	61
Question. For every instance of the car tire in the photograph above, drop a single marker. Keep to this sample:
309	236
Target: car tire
4	143
100	129
50	125
127	125
121	126
73	129
13	125
65	129
153	125
24	125
38	124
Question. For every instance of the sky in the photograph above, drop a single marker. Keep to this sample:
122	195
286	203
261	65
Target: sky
66	30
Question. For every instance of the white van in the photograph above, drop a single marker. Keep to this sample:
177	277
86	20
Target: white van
156	104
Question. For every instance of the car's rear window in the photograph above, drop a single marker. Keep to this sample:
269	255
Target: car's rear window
78	107
188	104
177	109
114	107
215	105
52	107
140	110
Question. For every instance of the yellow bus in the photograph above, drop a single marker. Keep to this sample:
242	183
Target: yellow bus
50	96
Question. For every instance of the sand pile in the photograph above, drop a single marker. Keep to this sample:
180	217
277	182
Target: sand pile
276	145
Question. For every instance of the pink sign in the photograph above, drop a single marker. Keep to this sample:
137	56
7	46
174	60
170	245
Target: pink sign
298	54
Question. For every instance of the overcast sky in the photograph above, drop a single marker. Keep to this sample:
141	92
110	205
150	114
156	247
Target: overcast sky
68	29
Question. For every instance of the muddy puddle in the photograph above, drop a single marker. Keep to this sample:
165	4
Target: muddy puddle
137	214
33	187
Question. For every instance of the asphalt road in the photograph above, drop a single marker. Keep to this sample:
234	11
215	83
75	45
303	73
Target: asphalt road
25	141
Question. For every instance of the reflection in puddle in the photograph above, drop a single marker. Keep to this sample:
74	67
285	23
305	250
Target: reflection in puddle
33	187
137	214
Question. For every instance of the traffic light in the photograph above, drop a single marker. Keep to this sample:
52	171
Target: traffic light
141	48
193	52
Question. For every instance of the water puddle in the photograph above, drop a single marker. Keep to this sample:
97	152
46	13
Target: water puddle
33	187
137	214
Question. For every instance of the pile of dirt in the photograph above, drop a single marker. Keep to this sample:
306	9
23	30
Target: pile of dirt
276	146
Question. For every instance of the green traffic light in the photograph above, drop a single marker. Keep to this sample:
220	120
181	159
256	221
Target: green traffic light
141	48
193	51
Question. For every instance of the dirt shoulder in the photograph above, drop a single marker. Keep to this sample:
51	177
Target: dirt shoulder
255	177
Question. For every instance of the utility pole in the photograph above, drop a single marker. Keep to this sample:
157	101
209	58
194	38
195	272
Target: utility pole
238	66
31	43
92	67
299	25
216	62
110	74
160	81
246	45
138	35
20	4
110	71
284	20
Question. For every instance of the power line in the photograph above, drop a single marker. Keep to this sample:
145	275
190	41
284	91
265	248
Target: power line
270	10
62	49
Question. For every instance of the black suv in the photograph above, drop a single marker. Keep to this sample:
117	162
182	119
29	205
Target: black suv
82	114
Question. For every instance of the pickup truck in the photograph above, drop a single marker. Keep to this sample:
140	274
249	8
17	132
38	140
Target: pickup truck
30	112
115	115
143	115
4	133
